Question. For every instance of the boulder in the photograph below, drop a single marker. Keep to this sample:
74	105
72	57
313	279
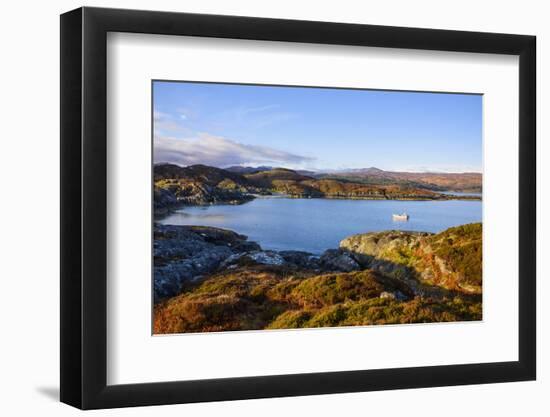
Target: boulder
367	246
387	294
170	276
266	257
393	295
338	260
254	257
301	259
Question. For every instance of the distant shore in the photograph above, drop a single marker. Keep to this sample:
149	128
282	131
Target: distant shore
199	185
161	212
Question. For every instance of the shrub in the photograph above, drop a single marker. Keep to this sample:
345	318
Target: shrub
331	289
291	319
461	248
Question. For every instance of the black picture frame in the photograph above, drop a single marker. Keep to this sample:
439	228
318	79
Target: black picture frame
84	207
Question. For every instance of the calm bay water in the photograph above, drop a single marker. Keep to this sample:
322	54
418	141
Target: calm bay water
315	225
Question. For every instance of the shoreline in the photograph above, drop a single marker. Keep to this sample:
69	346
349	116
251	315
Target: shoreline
160	213
240	246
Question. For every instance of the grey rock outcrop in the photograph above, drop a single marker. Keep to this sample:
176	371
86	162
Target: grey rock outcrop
338	260
184	253
367	246
301	259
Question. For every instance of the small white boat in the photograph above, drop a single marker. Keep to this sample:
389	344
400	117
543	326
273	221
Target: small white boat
400	217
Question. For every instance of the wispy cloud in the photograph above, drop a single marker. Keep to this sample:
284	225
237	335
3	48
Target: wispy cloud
253	117
166	124
221	152
249	110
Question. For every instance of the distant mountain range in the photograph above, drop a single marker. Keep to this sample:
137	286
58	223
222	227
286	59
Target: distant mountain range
253	170
435	181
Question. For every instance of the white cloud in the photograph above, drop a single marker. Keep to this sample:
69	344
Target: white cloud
183	116
220	152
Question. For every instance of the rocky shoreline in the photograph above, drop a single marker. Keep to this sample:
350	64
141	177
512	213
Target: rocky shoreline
208	279
185	255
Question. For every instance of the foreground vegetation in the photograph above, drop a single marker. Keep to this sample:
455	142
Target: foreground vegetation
273	297
400	277
450	259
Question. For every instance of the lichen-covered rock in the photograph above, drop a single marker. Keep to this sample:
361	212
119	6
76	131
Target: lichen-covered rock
301	259
450	260
367	246
184	253
338	260
266	258
259	257
170	277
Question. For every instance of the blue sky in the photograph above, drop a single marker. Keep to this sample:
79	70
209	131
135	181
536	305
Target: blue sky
316	128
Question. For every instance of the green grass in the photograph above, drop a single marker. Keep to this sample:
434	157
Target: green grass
378	311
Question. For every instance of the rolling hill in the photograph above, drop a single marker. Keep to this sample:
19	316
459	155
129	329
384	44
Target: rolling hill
202	184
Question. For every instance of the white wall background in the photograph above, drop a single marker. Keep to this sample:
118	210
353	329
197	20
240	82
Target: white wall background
29	219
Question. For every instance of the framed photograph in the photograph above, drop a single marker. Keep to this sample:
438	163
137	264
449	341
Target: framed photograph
257	208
